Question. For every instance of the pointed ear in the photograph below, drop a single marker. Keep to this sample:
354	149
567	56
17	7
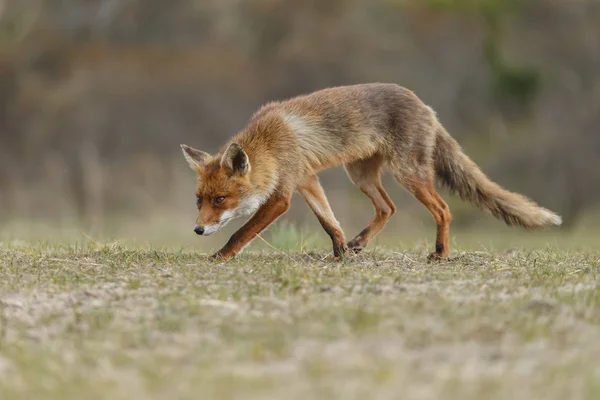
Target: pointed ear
195	158
235	160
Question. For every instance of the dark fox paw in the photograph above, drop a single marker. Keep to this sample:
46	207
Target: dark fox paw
219	256
340	253
356	245
435	256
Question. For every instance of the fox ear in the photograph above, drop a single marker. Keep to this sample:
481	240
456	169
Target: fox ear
195	158
235	160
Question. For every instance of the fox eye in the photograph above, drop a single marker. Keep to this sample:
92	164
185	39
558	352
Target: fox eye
198	200
219	200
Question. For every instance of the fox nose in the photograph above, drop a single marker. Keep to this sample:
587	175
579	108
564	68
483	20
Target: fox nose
199	230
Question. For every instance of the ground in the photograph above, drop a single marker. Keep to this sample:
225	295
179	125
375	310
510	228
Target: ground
111	321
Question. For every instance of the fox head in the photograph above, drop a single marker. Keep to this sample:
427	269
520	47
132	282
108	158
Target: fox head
223	189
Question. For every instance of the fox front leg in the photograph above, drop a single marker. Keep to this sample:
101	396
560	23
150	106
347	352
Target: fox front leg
265	216
312	191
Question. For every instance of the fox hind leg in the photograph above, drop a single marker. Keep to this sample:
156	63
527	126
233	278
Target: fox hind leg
366	175
424	191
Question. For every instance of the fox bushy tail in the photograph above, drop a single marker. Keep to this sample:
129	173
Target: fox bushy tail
461	175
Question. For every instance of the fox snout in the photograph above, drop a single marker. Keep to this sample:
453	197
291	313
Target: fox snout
207	229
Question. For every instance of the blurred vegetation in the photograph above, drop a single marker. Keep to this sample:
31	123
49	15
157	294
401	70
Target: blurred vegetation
96	95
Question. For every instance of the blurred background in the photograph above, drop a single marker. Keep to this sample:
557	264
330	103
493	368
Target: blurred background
97	95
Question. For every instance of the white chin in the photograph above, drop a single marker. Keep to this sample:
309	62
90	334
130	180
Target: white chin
210	229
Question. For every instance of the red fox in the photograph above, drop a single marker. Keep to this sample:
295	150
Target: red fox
370	129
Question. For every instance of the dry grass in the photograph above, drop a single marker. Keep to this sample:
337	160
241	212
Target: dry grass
111	322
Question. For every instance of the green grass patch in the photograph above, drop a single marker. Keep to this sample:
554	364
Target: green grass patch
110	321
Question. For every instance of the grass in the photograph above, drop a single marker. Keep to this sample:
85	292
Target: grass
131	322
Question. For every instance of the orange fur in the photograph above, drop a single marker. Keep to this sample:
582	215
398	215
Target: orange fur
369	128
